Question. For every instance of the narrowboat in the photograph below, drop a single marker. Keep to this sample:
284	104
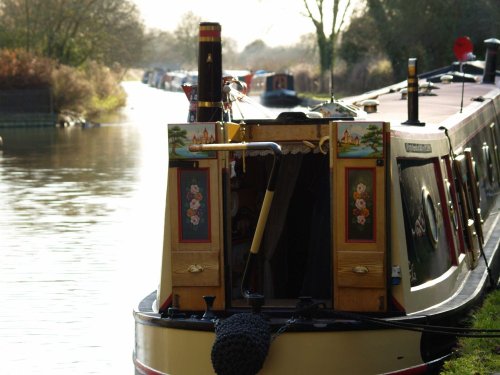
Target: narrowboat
327	245
276	90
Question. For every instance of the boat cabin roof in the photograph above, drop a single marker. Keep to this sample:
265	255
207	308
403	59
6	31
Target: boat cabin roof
434	110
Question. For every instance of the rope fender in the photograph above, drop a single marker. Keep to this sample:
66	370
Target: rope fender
241	344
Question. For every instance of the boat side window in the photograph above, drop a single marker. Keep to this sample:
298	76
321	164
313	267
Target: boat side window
489	163
430	217
429	253
485	169
463	199
494	134
451	206
452	217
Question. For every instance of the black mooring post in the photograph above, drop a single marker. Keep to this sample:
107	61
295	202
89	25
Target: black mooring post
209	73
491	60
413	94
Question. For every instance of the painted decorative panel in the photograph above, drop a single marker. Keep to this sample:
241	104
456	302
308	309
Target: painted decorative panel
194	205
360	198
360	140
181	136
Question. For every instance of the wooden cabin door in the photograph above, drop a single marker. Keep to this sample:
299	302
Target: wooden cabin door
359	167
193	238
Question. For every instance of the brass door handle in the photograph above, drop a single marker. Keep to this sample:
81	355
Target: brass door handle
195	268
360	269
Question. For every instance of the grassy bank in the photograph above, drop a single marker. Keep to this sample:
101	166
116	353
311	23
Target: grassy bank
479	355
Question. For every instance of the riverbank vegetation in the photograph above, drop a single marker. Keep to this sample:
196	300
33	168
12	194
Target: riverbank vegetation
91	44
78	48
73	32
372	48
479	355
88	90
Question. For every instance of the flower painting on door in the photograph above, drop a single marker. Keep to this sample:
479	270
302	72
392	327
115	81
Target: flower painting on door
194	203
360	196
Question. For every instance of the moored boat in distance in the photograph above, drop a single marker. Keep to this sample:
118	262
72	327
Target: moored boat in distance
275	89
329	245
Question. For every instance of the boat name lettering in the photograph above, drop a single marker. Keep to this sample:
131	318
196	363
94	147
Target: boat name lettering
418	147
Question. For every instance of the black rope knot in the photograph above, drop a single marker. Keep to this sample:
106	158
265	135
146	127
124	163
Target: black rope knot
241	344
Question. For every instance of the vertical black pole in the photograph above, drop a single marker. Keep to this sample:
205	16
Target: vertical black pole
491	60
209	73
463	86
412	94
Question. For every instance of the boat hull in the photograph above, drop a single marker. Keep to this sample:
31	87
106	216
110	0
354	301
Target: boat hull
164	350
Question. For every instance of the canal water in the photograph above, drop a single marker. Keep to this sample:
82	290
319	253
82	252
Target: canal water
81	226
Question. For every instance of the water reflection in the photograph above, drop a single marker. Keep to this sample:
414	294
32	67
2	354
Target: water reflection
81	225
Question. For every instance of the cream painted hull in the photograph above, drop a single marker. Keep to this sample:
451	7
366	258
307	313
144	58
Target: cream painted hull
187	352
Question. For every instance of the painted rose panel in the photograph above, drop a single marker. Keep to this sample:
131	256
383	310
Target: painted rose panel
360	204
194	205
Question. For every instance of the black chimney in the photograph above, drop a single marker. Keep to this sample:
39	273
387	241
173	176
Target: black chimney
491	60
413	94
209	73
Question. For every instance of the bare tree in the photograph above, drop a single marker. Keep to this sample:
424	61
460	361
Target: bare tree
320	15
73	31
186	34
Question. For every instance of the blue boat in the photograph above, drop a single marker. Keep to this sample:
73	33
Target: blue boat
278	90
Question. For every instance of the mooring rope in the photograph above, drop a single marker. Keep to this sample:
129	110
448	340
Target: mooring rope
424	328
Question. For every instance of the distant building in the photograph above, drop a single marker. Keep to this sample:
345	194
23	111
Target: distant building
204	138
348	139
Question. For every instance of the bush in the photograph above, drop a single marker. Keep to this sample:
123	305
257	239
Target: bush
88	91
349	79
306	78
366	75
107	93
71	90
20	69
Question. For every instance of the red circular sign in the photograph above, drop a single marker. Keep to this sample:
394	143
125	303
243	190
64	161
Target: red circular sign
462	47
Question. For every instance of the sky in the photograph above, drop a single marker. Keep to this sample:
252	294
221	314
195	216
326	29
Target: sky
276	22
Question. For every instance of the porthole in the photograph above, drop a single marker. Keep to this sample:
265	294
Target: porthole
451	207
430	217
